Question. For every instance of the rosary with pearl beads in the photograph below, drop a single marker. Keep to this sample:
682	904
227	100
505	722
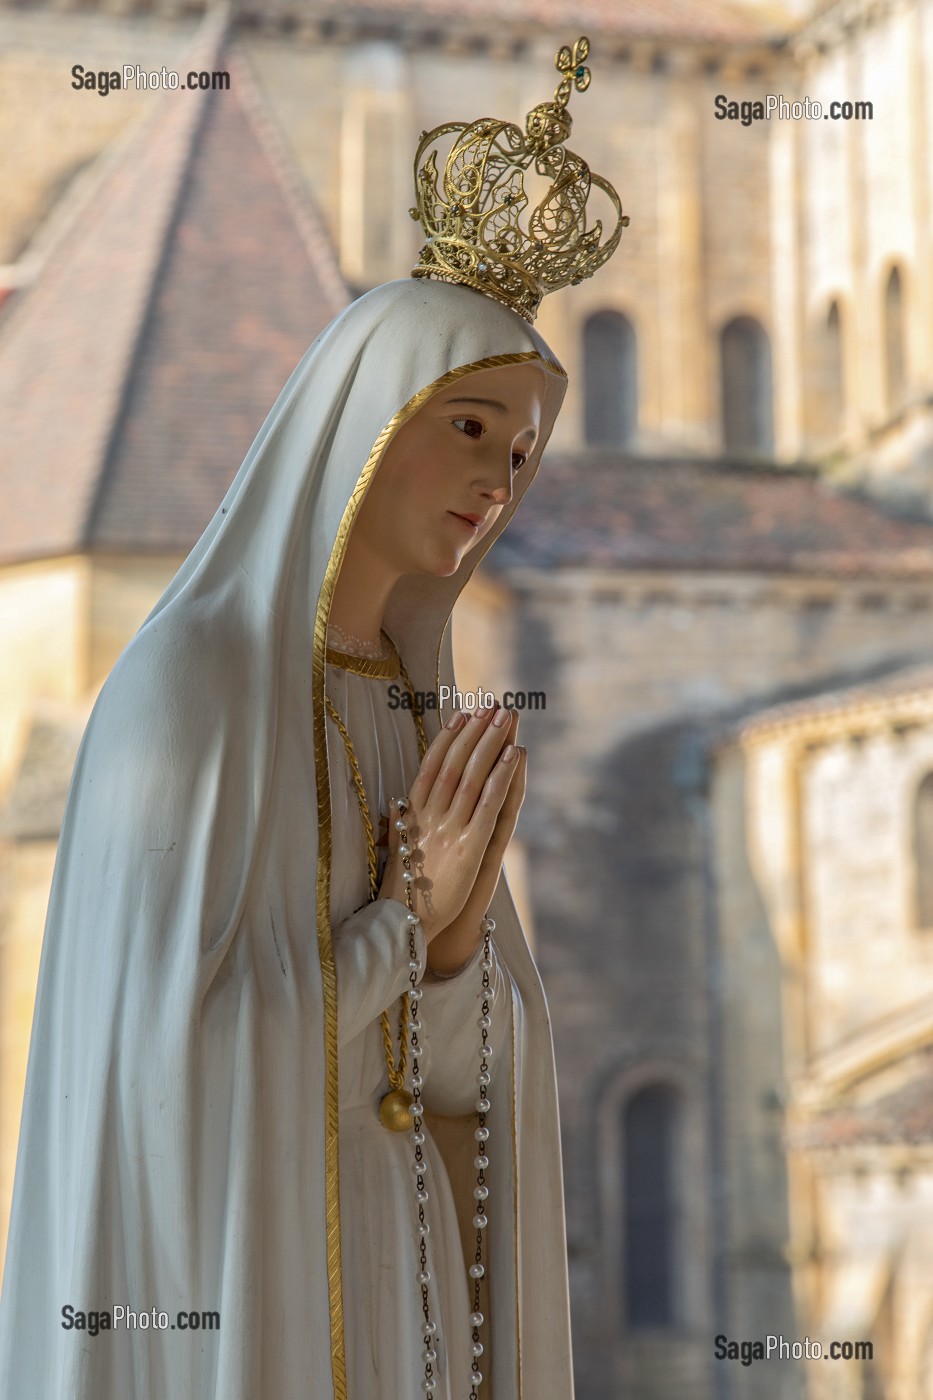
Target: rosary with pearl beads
389	1110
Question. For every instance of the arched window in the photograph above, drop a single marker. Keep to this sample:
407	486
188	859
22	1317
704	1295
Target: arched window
923	852
610	379
834	384
895	374
379	137
745	365
651	1132
824	377
371	240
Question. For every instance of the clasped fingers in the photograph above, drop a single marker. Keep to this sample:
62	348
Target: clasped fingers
443	766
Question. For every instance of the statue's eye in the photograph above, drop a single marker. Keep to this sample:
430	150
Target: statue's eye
475	430
475	421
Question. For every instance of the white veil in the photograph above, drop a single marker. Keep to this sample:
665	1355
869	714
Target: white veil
179	1144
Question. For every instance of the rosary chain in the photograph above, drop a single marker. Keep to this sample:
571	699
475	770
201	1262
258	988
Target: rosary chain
481	1135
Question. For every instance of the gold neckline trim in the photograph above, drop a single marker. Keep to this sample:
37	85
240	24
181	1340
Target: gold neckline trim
384	668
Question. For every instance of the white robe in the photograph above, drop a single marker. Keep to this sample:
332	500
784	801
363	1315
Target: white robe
382	1298
180	1139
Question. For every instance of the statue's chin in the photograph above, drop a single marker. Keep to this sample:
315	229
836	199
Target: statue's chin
442	564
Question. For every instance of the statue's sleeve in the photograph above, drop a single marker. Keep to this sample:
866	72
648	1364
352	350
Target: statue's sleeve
450	1010
371	956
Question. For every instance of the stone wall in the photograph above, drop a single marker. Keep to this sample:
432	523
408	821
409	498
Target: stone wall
772	220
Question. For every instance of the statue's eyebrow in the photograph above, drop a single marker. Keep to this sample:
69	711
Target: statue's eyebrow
490	403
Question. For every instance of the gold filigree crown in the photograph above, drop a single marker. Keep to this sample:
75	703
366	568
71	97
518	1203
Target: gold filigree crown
472	223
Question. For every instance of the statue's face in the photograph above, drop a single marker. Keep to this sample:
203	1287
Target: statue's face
449	471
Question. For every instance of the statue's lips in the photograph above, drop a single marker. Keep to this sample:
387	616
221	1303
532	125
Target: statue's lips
467	520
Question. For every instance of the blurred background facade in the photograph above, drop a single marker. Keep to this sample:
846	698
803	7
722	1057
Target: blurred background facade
722	580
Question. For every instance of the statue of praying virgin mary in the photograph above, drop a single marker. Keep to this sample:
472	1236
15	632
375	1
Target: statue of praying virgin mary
278	945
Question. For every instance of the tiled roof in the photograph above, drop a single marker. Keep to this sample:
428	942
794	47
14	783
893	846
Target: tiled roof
604	512
136	372
902	1116
707	20
906	692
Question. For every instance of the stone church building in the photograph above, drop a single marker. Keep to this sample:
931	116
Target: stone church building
722	582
